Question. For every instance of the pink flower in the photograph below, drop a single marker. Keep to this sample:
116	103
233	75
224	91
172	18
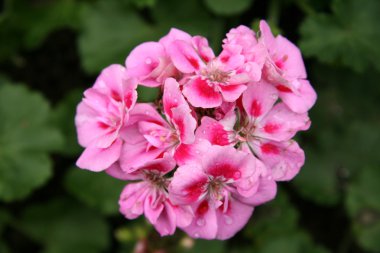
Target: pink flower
101	115
265	129
209	80
284	68
222	191
150	197
149	136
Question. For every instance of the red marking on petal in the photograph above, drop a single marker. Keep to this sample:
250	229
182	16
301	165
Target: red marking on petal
226	170
205	90
202	208
279	64
256	108
283	88
219	136
271	128
269	148
103	125
225	58
128	100
193	62
115	95
180	127
194	190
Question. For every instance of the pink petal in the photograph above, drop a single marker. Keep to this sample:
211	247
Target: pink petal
281	124
184	215
184	57
154	205
259	98
188	185
204	50
110	81
213	131
160	165
283	159
98	159
200	94
173	35
115	171
192	152
265	192
205	224
145	112
233	220
266	34
302	100
232	92
132	199
166	222
172	96
185	123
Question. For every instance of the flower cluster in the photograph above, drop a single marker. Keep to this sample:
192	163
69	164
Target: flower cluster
217	141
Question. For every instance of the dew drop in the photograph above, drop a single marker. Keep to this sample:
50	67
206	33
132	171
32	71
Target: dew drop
146	112
197	151
237	175
196	235
247	68
175	100
148	61
228	220
201	222
269	177
273	96
203	131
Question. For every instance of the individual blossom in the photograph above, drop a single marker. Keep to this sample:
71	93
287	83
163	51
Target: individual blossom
284	68
101	115
149	135
264	129
222	190
208	80
149	196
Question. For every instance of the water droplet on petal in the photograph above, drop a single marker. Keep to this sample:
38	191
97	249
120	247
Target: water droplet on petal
269	177
274	96
203	131
148	60
228	220
237	175
196	235
201	222
175	100
197	151
146	112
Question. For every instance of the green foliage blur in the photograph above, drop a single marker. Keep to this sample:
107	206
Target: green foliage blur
52	50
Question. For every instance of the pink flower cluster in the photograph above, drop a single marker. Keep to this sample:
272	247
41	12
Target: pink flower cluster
217	141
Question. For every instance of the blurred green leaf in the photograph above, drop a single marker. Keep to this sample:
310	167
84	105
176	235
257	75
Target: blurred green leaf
28	23
62	226
228	7
97	190
147	94
144	3
363	206
110	31
63	118
348	36
212	246
25	138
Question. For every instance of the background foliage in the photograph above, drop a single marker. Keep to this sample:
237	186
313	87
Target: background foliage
51	50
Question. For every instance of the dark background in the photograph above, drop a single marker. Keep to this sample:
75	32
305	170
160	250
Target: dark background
52	50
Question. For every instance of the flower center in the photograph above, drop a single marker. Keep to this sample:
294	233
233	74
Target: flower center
155	178
214	74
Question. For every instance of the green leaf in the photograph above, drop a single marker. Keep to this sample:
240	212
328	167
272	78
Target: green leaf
147	94
348	36
25	138
110	31
228	7
97	190
212	246
63	118
62	226
363	206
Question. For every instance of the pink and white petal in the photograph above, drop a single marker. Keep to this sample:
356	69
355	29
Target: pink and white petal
135	155
233	220
161	165
115	171
131	202
144	58
205	224
184	123
289	58
266	35
172	96
214	132
110	80
189	184
166	222
185	58
174	34
200	94
145	112
204	50
129	92
99	159
281	124
154	205
259	99
189	153
283	159
265	192
302	100
232	92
